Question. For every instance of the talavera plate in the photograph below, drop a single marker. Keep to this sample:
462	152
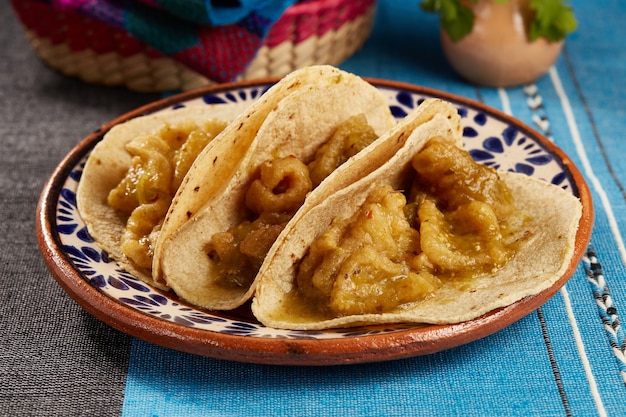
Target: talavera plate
101	287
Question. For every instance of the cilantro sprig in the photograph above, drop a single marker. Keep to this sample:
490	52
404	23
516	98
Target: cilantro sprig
551	19
554	19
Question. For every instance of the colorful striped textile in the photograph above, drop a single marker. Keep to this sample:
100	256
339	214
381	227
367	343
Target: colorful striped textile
215	38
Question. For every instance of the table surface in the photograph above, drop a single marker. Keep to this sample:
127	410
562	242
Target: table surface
566	358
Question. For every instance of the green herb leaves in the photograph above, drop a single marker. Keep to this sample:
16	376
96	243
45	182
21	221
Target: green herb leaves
552	19
456	19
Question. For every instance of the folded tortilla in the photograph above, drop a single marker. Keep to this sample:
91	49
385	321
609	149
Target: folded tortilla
108	163
296	125
545	251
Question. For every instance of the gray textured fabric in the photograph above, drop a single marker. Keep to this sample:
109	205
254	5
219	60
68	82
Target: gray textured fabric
55	359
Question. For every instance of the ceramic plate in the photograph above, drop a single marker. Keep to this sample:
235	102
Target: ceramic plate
98	284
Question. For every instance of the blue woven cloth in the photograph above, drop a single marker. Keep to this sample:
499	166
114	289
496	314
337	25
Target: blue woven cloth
567	358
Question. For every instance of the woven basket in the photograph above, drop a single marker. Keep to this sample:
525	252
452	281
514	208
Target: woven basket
313	32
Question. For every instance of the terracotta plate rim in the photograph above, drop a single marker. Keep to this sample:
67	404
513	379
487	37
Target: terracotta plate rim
405	343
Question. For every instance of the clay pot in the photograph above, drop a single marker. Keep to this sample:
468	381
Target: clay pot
497	52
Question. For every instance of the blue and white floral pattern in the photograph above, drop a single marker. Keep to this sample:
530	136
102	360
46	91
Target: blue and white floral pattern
489	139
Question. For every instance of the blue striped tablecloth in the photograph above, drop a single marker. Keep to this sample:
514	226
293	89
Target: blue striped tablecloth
565	359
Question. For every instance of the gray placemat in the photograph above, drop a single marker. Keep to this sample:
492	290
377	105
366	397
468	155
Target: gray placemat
55	359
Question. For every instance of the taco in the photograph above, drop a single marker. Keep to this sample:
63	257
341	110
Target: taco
429	237
210	249
132	177
108	193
